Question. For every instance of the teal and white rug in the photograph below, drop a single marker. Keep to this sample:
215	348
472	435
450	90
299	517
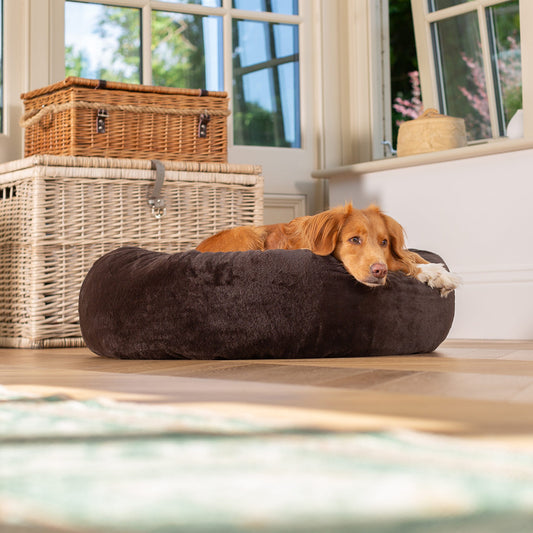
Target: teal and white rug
106	466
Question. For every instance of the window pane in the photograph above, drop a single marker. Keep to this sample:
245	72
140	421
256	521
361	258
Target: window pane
187	51
435	5
504	20
266	84
462	87
208	3
284	7
405	81
103	42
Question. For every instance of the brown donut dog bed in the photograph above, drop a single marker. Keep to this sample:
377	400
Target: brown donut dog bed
140	304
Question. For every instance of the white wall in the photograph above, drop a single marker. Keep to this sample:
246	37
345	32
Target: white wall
478	215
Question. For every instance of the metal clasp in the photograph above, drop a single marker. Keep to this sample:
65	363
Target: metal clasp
202	125
101	115
158	207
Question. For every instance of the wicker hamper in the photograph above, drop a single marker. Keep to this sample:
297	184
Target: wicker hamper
59	214
94	118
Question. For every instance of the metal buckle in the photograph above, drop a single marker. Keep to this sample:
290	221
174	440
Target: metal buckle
202	125
158	207
101	115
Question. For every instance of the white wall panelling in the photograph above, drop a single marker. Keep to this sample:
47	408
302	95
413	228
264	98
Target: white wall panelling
283	207
477	214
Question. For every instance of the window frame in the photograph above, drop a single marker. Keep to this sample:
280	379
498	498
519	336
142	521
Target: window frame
362	108
287	171
363	104
422	20
226	12
15	44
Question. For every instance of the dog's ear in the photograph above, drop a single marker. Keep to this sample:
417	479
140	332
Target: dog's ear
322	231
405	259
396	235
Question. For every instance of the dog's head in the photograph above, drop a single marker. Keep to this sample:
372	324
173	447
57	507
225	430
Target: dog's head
368	242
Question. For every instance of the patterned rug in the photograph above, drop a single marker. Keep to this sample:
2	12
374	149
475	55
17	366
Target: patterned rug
106	466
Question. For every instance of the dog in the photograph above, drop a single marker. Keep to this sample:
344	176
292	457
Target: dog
369	243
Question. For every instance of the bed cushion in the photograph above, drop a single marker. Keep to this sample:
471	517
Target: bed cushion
141	304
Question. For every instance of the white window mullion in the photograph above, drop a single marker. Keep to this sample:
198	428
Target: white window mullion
526	44
459	9
146	44
449	12
56	63
15	80
425	54
381	95
264	16
39	42
190	9
488	70
227	52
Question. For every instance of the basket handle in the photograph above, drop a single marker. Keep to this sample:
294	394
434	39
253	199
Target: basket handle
155	200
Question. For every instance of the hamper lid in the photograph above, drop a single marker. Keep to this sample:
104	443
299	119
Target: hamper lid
127	164
73	81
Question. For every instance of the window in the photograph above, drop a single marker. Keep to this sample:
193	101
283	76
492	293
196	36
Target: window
184	47
266	84
195	58
103	42
475	56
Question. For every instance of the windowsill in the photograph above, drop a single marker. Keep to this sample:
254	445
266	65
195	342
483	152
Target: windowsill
490	148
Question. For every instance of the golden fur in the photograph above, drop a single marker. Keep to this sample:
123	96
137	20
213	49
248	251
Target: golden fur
369	244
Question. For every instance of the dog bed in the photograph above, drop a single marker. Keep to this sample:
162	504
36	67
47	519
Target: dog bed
140	304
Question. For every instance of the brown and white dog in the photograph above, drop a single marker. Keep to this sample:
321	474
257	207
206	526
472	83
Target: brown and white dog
369	244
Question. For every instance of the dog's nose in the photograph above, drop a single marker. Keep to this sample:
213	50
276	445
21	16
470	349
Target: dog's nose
378	270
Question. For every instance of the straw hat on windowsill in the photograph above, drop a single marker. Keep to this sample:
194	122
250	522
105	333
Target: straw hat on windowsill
431	132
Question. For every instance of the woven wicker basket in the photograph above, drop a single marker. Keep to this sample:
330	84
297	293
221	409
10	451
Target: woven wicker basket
82	117
59	214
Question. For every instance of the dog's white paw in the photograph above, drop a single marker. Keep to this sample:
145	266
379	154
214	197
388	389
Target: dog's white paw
437	277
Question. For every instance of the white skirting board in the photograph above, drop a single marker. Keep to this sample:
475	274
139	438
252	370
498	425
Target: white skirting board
494	310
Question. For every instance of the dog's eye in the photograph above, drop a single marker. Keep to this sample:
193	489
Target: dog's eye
355	240
384	242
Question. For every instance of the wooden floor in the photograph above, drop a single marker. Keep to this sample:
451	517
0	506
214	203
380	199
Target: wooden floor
465	388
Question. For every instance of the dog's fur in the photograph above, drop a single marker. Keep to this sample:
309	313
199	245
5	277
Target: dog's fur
369	244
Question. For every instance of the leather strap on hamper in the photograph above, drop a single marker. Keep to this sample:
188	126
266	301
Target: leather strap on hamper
155	200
